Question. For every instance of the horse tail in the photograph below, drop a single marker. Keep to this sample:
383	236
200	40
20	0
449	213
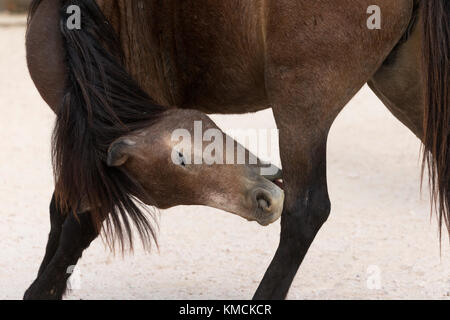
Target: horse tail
101	103
436	62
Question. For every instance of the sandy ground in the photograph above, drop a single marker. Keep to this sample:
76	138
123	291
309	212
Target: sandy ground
378	243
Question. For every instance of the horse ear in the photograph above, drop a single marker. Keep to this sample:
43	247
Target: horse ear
119	152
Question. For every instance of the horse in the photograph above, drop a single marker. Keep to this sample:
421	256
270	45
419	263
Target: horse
140	158
304	59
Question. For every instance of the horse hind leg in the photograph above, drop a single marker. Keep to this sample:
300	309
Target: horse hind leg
418	97
76	234
398	82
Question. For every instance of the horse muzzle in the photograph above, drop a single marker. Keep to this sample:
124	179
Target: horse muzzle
268	200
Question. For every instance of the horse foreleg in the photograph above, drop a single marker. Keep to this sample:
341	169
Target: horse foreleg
56	221
312	69
76	235
306	206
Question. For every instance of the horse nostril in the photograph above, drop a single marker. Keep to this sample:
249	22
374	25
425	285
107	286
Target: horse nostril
263	202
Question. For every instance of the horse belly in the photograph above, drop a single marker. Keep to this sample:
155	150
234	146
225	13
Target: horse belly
220	55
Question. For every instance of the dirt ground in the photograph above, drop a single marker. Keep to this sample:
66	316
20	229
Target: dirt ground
378	243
